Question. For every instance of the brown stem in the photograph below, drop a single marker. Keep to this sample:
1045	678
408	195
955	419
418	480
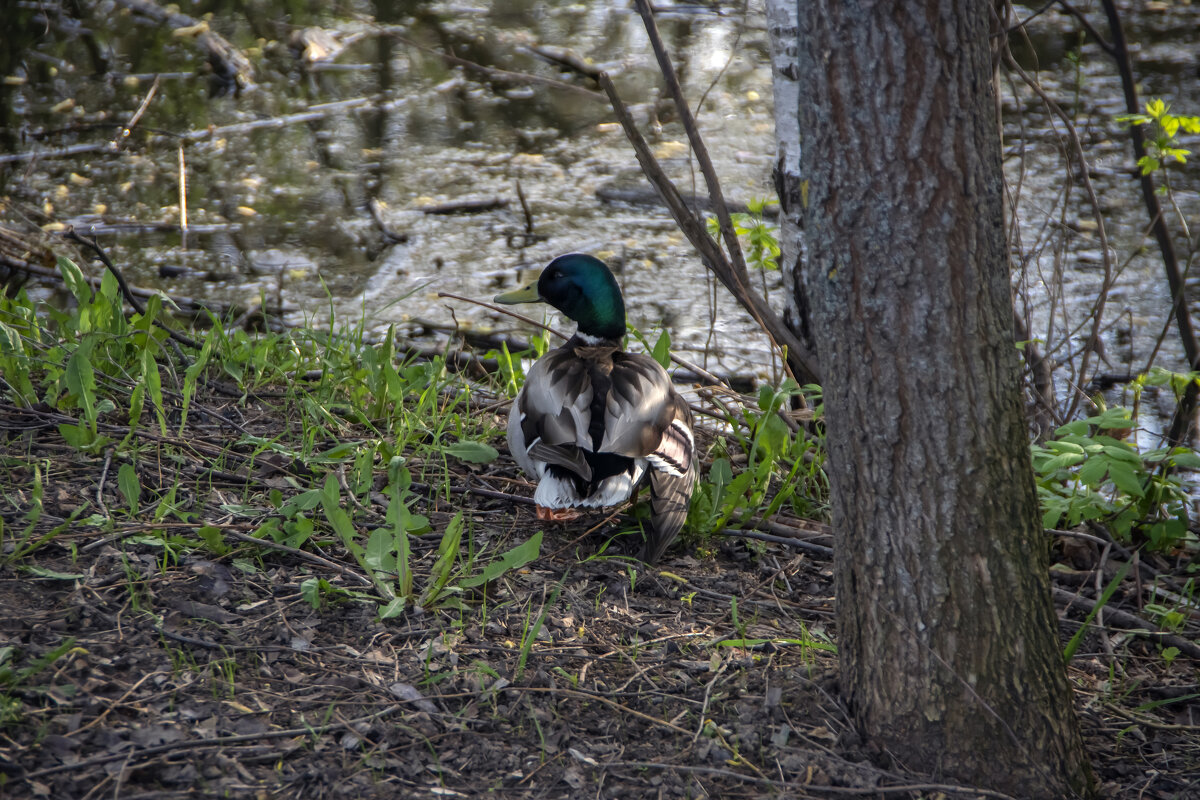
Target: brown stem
1186	410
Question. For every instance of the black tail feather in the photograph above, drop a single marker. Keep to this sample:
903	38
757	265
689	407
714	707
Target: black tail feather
669	497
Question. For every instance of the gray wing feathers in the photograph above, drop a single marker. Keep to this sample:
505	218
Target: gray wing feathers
639	408
571	458
669	497
556	401
672	477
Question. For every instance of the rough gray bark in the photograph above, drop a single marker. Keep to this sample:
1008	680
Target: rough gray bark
781	33
947	632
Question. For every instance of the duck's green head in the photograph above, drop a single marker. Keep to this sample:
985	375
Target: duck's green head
581	287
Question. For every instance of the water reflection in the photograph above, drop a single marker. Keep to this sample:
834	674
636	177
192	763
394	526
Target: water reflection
278	204
282	210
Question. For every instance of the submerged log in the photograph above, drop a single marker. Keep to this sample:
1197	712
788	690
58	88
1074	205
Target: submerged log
232	71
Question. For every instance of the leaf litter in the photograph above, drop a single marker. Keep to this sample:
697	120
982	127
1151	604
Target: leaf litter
152	659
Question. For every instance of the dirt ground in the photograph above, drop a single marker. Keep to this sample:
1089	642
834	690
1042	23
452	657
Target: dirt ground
147	667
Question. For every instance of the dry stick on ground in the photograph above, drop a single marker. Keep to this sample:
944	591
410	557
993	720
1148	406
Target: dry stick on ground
216	741
1131	623
848	791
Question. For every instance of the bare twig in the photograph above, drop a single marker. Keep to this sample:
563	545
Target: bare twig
683	362
1131	623
141	109
731	271
126	291
1110	274
216	741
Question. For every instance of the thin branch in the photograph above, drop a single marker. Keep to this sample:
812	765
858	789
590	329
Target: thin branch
1186	410
126	291
683	362
732	245
801	362
1110	274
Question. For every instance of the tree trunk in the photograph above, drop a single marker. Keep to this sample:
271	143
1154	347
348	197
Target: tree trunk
789	181
950	660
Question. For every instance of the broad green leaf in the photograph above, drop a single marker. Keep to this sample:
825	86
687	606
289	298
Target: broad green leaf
1077	427
475	452
153	383
192	375
1186	459
81	380
310	591
1123	452
514	558
1064	446
211	536
1062	461
1092	473
380	555
394	608
305	501
447	554
662	349
131	488
75	281
1126	478
400	520
78	436
337	516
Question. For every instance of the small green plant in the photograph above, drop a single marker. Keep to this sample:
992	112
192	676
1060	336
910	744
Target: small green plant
1091	472
223	678
512	373
660	351
762	243
532	629
1162	148
15	680
782	466
760	237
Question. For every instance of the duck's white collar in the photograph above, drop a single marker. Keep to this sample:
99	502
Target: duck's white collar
589	340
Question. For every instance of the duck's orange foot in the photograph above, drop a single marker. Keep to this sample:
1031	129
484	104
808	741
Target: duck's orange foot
558	514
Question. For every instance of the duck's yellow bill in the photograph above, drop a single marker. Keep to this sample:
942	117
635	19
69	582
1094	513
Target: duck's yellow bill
526	294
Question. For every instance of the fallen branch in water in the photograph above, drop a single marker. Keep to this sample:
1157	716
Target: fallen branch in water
312	113
229	65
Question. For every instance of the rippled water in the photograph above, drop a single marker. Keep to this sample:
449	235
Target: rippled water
277	205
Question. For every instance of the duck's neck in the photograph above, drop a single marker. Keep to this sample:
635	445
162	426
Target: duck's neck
588	340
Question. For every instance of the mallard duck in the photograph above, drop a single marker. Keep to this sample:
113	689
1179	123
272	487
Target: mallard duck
592	421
